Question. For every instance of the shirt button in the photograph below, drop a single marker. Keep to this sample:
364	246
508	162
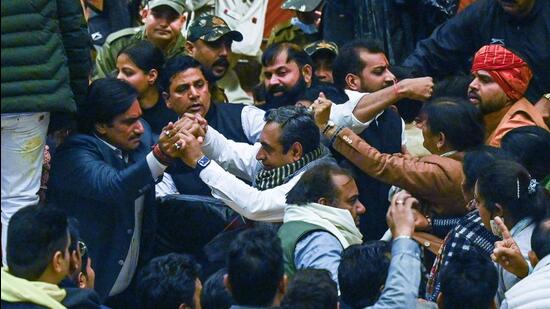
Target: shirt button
129	231
120	262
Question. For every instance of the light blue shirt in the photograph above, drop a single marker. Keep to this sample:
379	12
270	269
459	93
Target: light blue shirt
319	250
401	287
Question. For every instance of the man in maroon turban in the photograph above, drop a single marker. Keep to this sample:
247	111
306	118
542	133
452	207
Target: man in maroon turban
500	81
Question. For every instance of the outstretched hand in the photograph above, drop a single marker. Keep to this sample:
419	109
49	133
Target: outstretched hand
420	89
321	110
508	254
400	217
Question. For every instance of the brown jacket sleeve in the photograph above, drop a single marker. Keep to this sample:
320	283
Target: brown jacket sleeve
433	178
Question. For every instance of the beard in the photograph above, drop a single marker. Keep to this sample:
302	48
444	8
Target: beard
289	96
221	62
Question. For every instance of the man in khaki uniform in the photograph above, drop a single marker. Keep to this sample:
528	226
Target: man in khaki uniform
302	29
209	40
322	53
164	20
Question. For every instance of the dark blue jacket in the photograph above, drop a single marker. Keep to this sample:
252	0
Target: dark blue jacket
90	182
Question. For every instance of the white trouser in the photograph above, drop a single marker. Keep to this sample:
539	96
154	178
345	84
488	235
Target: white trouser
23	140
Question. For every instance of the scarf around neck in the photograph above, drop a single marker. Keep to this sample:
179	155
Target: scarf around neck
267	179
44	294
338	222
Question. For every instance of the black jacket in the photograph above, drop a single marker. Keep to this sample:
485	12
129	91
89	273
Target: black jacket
452	45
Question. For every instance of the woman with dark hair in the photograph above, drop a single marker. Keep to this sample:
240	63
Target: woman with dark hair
528	145
140	65
435	179
506	190
467	233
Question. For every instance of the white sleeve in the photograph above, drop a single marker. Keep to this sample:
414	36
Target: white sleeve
155	166
252	119
342	114
165	187
238	158
266	205
403	134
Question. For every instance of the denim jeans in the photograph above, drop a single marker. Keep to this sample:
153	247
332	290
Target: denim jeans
23	140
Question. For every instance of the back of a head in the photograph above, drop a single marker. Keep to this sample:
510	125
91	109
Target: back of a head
540	239
35	234
107	98
528	144
255	267
167	282
476	160
316	183
508	184
297	125
362	272
214	294
442	114
293	53
311	289
469	281
349	61
145	55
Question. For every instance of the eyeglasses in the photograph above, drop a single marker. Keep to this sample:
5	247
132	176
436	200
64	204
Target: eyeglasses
83	248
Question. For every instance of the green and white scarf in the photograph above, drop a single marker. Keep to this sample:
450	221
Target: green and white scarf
267	179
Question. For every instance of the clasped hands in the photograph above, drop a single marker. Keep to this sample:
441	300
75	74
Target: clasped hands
183	139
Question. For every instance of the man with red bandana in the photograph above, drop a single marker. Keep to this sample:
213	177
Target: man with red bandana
500	80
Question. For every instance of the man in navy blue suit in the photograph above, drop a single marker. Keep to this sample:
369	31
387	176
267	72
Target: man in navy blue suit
105	177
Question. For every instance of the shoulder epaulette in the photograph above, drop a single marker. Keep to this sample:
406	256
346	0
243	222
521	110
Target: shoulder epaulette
123	33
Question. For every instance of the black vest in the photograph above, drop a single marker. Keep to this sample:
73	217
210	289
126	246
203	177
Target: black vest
226	119
384	134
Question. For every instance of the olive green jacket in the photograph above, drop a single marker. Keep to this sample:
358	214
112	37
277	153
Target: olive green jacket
287	32
105	62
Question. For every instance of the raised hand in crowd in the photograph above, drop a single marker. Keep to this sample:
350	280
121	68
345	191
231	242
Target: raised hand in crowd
420	89
170	141
192	151
508	254
192	123
400	217
321	110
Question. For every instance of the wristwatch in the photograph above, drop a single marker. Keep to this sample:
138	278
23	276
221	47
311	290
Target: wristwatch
202	163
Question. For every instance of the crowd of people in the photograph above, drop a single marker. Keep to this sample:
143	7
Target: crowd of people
139	170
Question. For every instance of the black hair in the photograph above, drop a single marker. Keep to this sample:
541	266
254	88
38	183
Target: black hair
540	239
214	294
74	232
311	289
180	64
168	281
362	271
453	86
469	281
442	115
107	98
528	144
35	234
145	55
293	53
332	93
297	125
508	184
476	160
349	60
255	267
316	183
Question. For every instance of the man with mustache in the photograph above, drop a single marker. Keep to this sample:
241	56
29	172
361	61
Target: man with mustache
500	81
321	219
163	19
209	40
520	25
105	177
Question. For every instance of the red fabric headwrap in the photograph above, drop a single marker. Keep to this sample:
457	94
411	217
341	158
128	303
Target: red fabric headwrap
506	68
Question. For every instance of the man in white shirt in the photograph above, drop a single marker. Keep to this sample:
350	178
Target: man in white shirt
288	146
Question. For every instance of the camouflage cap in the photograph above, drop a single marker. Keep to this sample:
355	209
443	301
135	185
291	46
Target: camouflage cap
301	5
177	5
211	28
317	46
